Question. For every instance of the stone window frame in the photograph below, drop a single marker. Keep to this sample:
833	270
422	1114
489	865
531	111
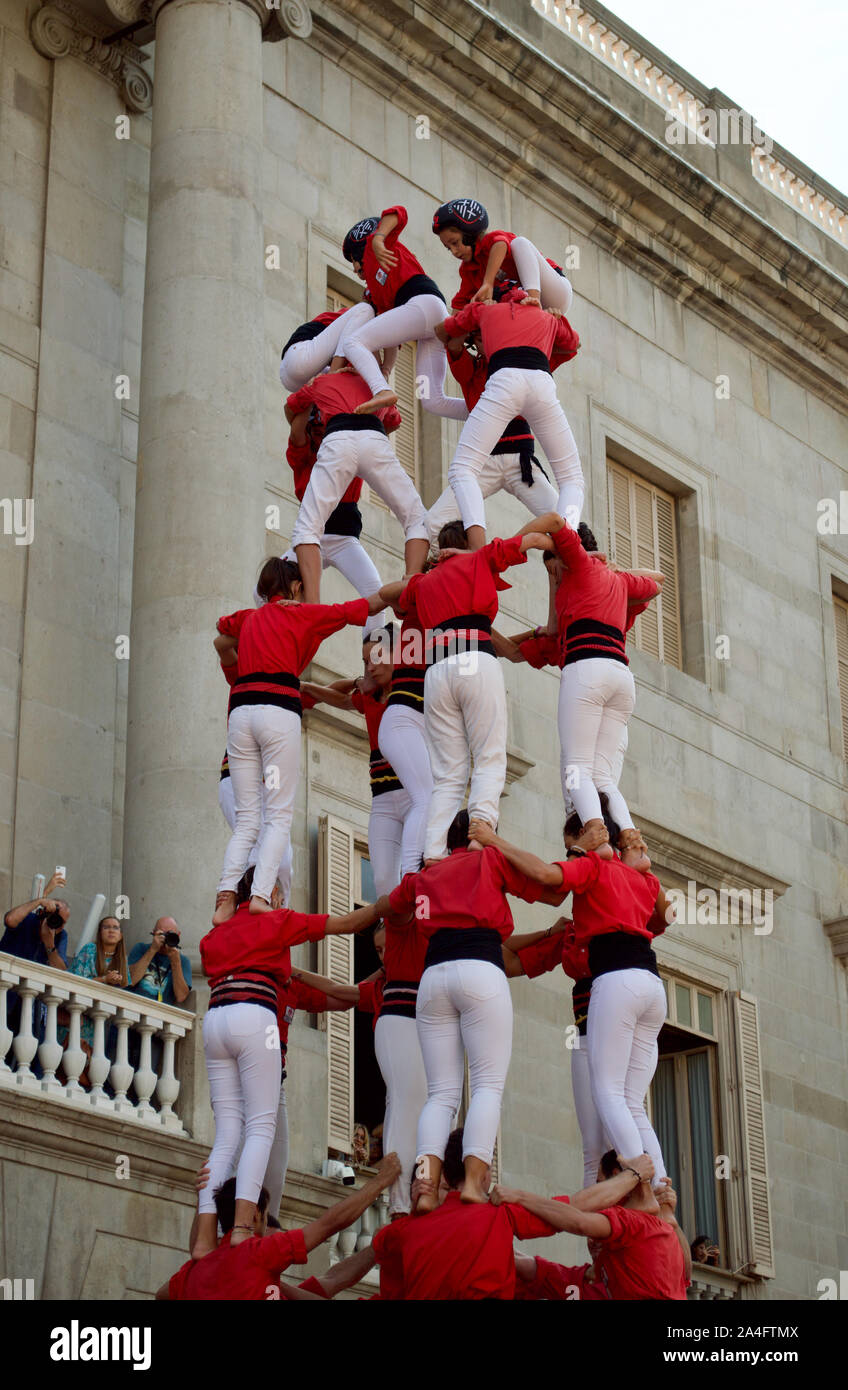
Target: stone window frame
833	579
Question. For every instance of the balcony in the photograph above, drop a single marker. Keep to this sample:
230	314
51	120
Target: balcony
42	992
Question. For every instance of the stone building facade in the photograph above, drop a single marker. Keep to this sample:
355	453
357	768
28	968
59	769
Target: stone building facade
173	206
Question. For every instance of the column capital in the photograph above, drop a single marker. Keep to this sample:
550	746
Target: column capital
60	29
280	19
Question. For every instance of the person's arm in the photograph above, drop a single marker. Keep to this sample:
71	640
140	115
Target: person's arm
390	593
562	1216
297	427
497	256
352	921
535	540
352	1206
385	257
548	524
16	915
56	958
138	968
517	942
457	325
667	1198
226	647
346	995
347	1272
337	694
506	647
611	1191
665	910
549	875
179	984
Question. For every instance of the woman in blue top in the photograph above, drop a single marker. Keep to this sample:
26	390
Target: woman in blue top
104	960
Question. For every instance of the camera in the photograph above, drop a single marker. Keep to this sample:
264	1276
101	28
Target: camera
335	1168
172	938
53	920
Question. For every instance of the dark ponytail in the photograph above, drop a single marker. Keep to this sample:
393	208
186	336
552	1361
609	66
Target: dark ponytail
277	578
458	832
587	538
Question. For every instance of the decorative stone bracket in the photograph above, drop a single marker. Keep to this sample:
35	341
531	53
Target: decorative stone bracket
837	933
60	29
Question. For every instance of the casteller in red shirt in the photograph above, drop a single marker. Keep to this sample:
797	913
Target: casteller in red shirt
464	584
473	271
339	393
258	942
641	1258
459	1251
561	1283
468	889
511	324
384	285
610	896
590	593
249	1271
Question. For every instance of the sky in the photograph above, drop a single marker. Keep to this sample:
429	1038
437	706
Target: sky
782	61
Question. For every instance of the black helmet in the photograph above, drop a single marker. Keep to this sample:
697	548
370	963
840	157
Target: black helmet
353	246
467	215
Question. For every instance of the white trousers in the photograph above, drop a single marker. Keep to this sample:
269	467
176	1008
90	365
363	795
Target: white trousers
348	454
244	1083
305	360
403	741
464	715
412	322
227	803
263	742
389	814
464	1008
278	1159
626	1012
516	391
398	1054
348	555
501	473
535	273
592	1134
596	699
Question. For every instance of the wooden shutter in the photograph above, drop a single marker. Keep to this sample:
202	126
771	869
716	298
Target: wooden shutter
336	301
405	440
840	617
643	535
335	895
755	1164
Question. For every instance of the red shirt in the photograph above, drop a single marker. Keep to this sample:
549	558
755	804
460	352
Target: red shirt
286	636
590	590
609	897
293	996
462	584
258	941
301	460
542	651
562	949
642	1258
373	709
510	324
457	1251
383	285
473	271
250	1271
338	393
561	1283
371	996
468	889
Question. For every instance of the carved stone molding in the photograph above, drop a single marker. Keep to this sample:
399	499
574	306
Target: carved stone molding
287	19
60	30
837	933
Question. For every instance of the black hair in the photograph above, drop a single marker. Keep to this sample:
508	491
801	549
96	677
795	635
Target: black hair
609	1164
452	536
244	887
388	637
701	1240
273	1224
586	536
453	1168
574	824
277	578
225	1203
458	832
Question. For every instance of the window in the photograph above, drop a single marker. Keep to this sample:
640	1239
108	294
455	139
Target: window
643	535
840	618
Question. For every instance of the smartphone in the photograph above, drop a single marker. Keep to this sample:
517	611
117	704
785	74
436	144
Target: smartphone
61	870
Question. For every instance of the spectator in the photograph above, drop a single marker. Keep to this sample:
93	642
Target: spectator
375	1152
160	971
361	1145
36	931
704	1252
104	960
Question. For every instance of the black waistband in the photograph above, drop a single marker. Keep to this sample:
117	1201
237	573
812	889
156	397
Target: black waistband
530	359
399	998
269	678
417	284
344	520
382	775
256	988
621	950
408	687
304	334
517	438
465	943
469	632
587	639
286	697
465	620
354	422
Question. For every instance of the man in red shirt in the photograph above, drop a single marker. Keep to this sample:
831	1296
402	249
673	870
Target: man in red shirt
353	446
518	340
464	1251
251	1270
642	1247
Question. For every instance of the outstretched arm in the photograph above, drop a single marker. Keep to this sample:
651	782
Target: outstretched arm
548	523
337	694
563	1216
351	1207
352	922
549	875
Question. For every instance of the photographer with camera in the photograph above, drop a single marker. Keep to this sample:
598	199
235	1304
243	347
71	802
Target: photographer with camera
36	931
160	971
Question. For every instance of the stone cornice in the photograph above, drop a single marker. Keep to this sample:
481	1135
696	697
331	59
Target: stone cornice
708	867
60	30
603	173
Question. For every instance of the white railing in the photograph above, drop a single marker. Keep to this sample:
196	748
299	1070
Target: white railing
712	1283
359	1235
789	186
40	985
620	54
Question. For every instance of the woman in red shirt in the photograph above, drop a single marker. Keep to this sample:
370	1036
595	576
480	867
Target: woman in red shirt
273	644
491	261
409	305
464	1006
615	907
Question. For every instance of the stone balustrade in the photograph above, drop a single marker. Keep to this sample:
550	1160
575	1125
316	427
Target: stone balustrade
716	1284
359	1235
779	179
42	991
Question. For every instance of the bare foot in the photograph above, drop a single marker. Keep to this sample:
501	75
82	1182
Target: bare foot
382	401
260	905
532	298
225	906
605	852
473	1192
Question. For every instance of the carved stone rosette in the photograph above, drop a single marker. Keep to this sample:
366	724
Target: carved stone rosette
60	30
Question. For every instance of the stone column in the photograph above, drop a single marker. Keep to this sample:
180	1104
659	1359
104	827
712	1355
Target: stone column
199	521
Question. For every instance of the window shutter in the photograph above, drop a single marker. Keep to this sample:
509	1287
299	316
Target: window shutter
643	535
336	859
668	603
645	559
620	525
758	1206
405	440
840	617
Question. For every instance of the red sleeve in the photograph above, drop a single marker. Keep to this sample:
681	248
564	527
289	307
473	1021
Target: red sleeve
402	898
367	997
543	956
313	1285
391	418
500	555
569	548
515	882
492	238
461	324
462	367
307	701
231	625
556	1282
327	618
633	611
275	1252
640	587
357	699
295	927
579	872
402	219
177	1282
300	400
311	1001
627	1226
566	341
525	1225
541	651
